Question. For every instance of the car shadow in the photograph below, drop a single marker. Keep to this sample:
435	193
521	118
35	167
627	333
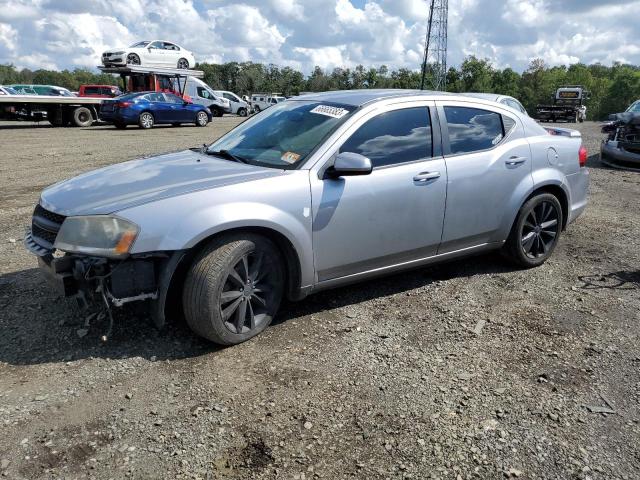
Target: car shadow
27	125
39	327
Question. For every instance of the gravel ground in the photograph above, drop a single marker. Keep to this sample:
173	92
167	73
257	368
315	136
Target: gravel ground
466	370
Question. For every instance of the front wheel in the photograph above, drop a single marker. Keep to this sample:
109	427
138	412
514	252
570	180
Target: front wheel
242	112
133	59
146	120
536	231
202	119
233	288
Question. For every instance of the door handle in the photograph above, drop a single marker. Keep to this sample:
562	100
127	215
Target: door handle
516	160
426	176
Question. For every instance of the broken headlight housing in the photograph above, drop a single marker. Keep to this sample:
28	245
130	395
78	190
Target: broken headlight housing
99	235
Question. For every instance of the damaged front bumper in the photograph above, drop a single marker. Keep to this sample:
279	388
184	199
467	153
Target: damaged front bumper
620	153
104	282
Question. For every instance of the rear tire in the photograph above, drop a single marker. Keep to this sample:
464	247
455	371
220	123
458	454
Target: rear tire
82	117
233	288
146	120
536	231
183	63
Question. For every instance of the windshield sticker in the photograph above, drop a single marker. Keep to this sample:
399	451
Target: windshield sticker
335	112
290	157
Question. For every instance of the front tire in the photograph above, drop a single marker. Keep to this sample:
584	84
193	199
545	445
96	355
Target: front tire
242	112
133	59
536	231
146	120
233	288
202	119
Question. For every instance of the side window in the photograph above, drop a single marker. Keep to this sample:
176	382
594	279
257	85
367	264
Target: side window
393	137
155	97
229	97
156	45
203	92
473	129
172	98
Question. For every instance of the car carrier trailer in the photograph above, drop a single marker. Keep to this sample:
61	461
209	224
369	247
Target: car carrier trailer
84	111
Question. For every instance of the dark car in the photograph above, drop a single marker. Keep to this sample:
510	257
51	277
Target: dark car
147	109
621	148
99	91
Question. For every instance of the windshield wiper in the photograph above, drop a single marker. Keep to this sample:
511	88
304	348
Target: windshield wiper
226	154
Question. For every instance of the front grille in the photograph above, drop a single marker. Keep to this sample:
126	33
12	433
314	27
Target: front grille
45	226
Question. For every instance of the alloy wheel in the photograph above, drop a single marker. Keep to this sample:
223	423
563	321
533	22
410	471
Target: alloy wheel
182	63
540	230
146	120
133	59
248	295
202	119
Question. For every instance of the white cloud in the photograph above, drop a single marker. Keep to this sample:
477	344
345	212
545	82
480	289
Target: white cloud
329	33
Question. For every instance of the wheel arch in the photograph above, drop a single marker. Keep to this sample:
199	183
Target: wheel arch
174	271
558	192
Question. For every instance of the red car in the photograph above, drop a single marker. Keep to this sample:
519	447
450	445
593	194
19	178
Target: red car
99	91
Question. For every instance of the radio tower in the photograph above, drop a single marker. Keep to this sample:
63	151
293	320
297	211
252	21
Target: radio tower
435	47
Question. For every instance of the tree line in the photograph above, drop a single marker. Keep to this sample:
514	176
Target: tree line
612	88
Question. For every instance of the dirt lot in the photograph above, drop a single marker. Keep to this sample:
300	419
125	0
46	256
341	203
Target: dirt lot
466	370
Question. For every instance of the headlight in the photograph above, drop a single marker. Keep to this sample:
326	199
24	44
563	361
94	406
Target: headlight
99	235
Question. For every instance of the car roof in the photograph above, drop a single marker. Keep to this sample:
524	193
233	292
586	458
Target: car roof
494	97
358	98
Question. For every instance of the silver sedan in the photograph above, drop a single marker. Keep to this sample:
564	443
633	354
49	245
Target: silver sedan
315	192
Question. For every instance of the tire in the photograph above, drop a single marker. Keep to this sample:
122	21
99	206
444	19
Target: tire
202	119
256	109
120	125
183	63
242	112
216	307
133	59
216	112
176	124
82	117
146	120
536	231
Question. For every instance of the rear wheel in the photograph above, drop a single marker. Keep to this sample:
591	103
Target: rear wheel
202	119
82	117
233	288
146	120
133	59
183	63
536	231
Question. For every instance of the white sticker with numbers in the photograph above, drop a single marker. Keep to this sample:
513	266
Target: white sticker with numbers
329	111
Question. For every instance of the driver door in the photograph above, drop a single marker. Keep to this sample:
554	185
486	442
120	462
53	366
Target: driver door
393	215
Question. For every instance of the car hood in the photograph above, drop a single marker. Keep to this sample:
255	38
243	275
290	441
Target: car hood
133	183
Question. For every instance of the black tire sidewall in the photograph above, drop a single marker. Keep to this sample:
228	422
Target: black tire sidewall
242	112
513	248
206	279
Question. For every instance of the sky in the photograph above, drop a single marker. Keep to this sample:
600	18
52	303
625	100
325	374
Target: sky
57	34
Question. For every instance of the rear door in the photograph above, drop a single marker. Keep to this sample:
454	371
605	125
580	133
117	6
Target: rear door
179	111
489	167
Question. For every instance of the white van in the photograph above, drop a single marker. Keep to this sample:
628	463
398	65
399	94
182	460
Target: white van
238	106
261	101
203	94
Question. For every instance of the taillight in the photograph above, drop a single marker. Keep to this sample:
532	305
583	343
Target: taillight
123	104
583	155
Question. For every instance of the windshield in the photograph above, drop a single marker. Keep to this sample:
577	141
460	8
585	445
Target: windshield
635	107
284	135
140	44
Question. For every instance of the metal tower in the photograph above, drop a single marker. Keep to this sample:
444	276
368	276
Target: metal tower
434	64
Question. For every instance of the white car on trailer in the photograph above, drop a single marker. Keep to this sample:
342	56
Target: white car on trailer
157	53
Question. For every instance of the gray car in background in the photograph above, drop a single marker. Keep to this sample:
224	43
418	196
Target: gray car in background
316	192
503	99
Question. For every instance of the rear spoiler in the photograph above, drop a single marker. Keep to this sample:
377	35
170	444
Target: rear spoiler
563	132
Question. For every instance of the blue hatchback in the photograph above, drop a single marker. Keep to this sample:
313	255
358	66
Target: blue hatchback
147	109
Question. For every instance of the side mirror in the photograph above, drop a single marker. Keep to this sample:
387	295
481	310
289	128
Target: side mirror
349	164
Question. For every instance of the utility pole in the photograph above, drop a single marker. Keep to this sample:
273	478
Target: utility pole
435	46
